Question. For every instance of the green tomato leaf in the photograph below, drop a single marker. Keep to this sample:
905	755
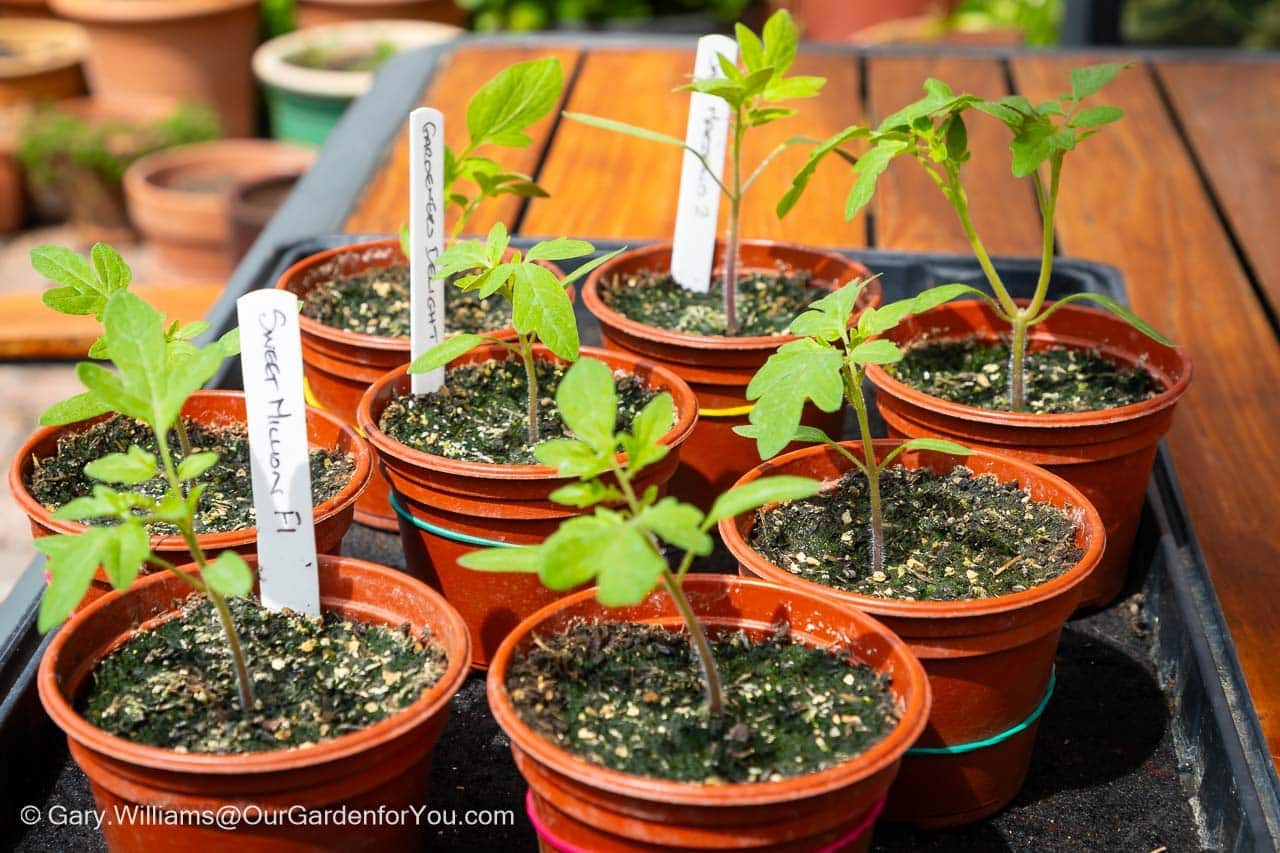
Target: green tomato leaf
229	575
870	167
788	88
623	127
130	468
540	305
1085	81
643	445
584	270
572	458
196	464
575	552
1097	116
780	37
758	493
70	560
588	403
559	249
445	352
586	494
799	371
801	180
514	99
750	48
879	351
937	445
526	558
124	551
677	523
63	266
1115	308
68	300
81	407
112	272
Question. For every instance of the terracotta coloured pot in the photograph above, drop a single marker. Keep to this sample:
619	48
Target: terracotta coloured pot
717	368
195	50
989	660
385	765
467	504
251	207
1106	454
332	518
588	807
311	13
180	198
40	61
340	366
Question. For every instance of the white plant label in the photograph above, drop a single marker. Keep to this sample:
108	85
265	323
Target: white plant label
271	363
694	242
426	240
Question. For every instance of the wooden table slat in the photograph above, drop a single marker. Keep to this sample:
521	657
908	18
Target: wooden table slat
1132	197
910	211
385	203
1228	112
610	185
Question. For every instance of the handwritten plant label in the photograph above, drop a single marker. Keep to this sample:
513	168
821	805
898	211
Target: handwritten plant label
694	242
426	240
271	362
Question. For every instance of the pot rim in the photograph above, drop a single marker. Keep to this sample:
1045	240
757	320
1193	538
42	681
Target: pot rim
1088	522
246	159
610	318
452	635
883	381
361	340
915	696
143	11
226	539
271	67
686	407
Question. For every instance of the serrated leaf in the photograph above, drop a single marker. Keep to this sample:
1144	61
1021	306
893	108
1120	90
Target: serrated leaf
750	48
514	99
81	407
1115	308
68	300
445	352
801	180
63	266
129	468
780	37
559	249
112	272
588	403
799	371
1097	116
1085	81
124	552
70	560
525	558
879	351
462	256
790	88
196	464
574	553
679	524
572	458
758	493
643	445
870	167
586	494
539	304
229	575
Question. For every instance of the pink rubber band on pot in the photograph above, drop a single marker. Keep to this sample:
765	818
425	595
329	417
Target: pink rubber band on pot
546	835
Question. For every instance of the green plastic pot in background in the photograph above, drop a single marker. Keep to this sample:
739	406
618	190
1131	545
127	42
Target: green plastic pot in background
305	102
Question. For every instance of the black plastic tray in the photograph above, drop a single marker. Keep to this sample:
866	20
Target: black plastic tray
1150	740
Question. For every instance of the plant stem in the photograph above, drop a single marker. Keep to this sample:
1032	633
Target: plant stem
197	553
853	390
730	287
1017	364
1022	319
531	378
960	201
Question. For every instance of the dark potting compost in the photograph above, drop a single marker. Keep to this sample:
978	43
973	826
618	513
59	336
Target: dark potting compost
481	412
947	536
314	679
376	302
1058	379
630	697
766	303
227	501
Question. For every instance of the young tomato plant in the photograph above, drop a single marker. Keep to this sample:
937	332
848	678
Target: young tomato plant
498	115
932	132
157	369
826	365
540	308
754	94
619	544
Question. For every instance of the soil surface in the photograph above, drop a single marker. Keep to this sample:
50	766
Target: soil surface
766	303
227	502
481	414
377	303
1058	379
947	537
631	697
313	679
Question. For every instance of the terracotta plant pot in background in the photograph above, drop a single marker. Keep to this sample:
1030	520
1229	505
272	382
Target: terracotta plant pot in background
1106	454
180	198
313	13
40	61
25	9
195	50
385	765
305	103
251	207
717	368
332	518
449	508
989	660
588	807
340	365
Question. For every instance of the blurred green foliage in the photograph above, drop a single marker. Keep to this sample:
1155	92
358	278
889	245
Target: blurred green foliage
1222	23
1039	20
493	15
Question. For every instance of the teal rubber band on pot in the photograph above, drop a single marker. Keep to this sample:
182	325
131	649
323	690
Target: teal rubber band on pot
961	748
444	532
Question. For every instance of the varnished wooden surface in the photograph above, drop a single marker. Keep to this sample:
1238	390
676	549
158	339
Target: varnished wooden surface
1189	220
